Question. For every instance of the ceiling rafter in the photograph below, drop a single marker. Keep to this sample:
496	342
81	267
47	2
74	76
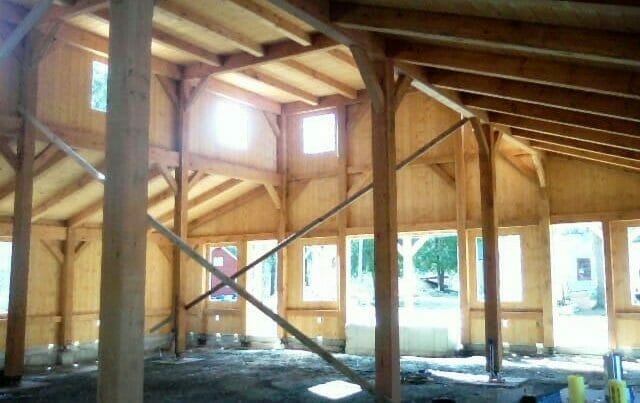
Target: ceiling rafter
588	155
340	87
187	16
281	24
495	34
281	85
530	69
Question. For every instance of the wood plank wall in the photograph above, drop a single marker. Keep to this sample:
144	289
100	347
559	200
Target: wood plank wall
578	191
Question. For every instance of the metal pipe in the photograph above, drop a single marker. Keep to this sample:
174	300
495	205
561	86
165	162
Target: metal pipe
31	20
335	210
198	258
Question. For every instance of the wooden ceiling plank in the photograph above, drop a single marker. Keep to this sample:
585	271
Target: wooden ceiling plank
44	207
79	8
227	207
282	25
203	198
215	166
588	155
548	72
343	57
272	52
283	86
492	33
579	101
339	87
243	96
577	144
552	114
187	16
557	129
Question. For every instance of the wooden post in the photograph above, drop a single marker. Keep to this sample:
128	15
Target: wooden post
385	232
181	221
281	158
242	281
124	240
21	237
492	322
461	218
610	284
341	191
544	224
66	289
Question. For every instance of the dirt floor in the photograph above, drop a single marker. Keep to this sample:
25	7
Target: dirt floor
287	375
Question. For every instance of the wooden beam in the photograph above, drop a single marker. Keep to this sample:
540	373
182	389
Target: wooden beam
279	23
34	16
204	197
66	338
573	100
9	155
226	208
21	231
243	96
283	86
339	87
588	155
603	149
572	132
10	125
343	57
368	74
186	16
493	34
168	177
124	244
46	160
610	285
342	187
548	72
272	121
273	194
217	167
492	322
53	249
169	88
443	174
403	85
461	228
80	7
180	216
272	53
387	352
546	113
447	98
544	226
324	103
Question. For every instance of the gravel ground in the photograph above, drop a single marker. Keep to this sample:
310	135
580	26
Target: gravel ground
286	375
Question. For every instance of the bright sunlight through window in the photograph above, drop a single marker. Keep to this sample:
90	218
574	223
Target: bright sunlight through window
100	73
319	133
232	125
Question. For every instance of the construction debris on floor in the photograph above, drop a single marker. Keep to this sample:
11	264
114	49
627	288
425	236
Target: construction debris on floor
290	375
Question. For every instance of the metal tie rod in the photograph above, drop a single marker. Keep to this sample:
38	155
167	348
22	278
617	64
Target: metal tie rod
316	222
193	254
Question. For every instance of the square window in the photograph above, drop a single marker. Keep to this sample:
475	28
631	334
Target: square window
319	133
320	273
231	125
218	261
510	267
99	77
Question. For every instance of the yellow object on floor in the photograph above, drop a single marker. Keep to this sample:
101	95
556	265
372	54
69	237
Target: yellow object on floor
618	392
576	389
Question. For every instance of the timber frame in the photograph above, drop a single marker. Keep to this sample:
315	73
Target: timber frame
528	91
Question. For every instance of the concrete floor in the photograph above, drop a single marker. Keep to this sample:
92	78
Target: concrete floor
286	375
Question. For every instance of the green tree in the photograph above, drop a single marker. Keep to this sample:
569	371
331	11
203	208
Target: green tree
440	255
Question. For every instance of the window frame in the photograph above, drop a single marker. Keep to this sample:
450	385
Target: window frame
334	151
320	304
479	269
209	276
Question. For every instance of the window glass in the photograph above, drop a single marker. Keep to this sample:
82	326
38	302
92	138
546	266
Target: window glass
633	234
510	267
225	259
232	125
5	275
319	133
320	273
100	73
